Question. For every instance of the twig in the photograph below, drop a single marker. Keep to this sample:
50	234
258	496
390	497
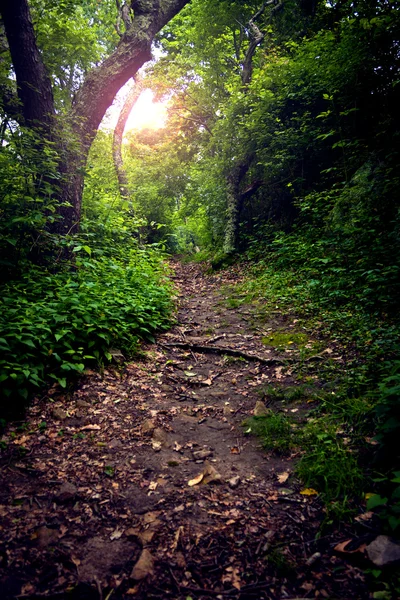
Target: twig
99	589
215	338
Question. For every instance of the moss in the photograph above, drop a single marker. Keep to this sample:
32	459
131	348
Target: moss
284	339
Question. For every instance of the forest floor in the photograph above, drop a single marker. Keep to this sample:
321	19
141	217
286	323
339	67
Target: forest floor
142	483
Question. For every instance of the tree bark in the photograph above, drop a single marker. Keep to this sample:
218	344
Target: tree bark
92	100
129	103
234	204
235	199
33	83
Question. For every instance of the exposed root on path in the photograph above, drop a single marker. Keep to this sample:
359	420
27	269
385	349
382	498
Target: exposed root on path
224	351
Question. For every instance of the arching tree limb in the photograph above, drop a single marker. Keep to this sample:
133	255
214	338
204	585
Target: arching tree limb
129	103
92	99
235	199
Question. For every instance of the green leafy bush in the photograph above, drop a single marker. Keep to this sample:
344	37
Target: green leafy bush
53	324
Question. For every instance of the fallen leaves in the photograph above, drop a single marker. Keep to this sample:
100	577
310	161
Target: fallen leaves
196	480
283	477
208	475
144	566
309	492
116	534
118	476
346	547
231	575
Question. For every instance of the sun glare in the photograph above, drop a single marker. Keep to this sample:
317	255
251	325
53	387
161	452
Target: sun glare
147	114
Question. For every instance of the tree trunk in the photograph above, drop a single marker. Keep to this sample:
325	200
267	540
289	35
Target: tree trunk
129	103
234	205
33	83
92	100
234	198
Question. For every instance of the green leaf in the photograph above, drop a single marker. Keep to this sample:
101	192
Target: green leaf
375	501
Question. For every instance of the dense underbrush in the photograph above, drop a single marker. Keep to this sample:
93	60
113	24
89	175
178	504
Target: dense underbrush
67	300
345	294
52	325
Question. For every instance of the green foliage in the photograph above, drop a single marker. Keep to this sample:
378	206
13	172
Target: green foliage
66	301
27	200
328	465
52	325
73	37
275	430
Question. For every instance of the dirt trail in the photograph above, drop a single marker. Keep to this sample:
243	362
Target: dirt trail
95	499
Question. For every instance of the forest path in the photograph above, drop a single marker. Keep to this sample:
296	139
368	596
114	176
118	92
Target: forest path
143	484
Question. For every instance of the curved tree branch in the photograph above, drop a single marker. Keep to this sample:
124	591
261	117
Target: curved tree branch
129	103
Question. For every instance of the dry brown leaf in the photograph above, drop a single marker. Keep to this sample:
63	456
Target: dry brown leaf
116	535
151	517
178	533
211	475
364	516
90	428
133	591
177	446
144	566
20	441
282	477
231	576
342	547
148	426
196	480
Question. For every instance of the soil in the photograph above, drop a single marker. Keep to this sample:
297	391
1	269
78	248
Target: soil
142	483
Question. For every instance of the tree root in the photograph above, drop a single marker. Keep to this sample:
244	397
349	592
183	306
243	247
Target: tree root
271	362
228	351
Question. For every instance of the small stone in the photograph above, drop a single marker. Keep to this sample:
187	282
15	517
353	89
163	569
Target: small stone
115	443
260	410
201	454
313	559
383	551
117	355
66	493
234	482
160	436
59	414
148	426
46	537
83	404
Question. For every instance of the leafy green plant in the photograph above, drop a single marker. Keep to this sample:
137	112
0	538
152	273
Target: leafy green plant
328	465
274	429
